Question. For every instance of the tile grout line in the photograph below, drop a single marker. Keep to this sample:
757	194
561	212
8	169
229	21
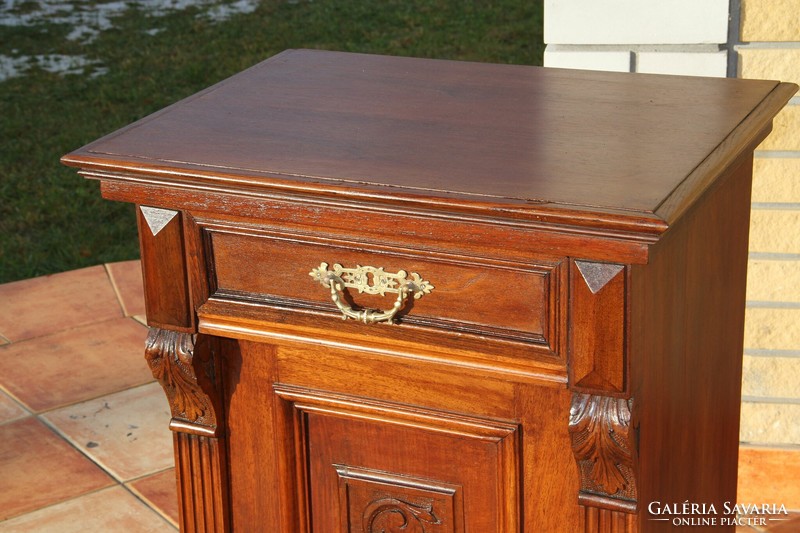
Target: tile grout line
29	411
52	427
70	328
733	38
73	443
49	505
90	399
144	476
767	447
152	508
22	405
14	420
116	482
116	289
768	45
139	496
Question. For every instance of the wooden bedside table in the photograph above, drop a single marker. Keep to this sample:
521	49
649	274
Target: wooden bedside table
541	275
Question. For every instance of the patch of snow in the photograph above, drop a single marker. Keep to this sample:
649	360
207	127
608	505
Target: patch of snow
47	11
82	30
88	20
99	71
61	64
226	11
160	8
11	67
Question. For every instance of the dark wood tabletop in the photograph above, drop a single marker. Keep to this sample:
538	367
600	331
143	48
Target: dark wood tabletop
526	140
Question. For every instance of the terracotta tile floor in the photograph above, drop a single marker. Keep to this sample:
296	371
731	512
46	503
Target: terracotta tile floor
84	443
84	438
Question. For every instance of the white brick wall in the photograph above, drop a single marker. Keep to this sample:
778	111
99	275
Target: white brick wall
769	48
635	21
560	56
686	37
691	63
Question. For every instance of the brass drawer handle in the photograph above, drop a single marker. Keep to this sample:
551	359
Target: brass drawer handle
370	280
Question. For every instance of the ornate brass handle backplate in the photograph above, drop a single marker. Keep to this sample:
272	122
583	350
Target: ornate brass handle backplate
370	280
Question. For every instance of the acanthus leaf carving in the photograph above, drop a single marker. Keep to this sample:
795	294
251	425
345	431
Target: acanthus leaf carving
603	442
393	515
171	357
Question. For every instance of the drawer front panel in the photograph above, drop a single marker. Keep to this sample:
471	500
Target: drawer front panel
491	298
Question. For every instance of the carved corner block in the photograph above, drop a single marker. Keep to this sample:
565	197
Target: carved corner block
185	366
167	297
604	445
597	351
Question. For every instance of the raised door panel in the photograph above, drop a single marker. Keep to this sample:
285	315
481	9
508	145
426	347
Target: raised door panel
373	466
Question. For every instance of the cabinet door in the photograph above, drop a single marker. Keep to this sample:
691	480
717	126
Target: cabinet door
378	467
344	440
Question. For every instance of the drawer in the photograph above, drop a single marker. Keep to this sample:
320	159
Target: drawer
477	304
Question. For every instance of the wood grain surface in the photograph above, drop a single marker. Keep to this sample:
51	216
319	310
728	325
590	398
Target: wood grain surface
493	136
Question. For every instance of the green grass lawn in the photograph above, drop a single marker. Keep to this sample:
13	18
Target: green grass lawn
52	220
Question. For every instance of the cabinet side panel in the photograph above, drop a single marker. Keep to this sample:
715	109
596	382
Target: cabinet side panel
688	308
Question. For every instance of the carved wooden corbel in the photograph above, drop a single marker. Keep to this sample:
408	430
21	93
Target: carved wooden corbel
184	365
604	445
